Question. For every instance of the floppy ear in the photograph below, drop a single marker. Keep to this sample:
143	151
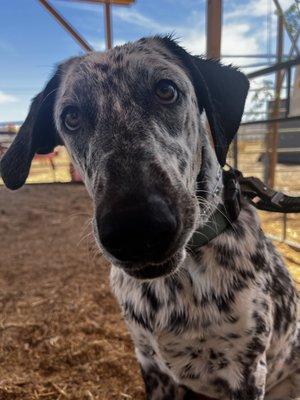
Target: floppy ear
37	135
220	90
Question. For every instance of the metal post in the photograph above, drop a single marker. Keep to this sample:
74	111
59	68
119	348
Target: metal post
284	233
288	92
108	34
84	44
235	152
274	133
213	28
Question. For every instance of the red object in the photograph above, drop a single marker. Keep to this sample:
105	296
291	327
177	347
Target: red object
75	176
48	156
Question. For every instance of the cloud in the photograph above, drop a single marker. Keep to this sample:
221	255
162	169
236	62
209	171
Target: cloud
255	8
79	6
7	98
136	18
192	41
191	38
239	37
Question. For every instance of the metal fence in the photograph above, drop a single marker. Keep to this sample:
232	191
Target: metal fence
270	131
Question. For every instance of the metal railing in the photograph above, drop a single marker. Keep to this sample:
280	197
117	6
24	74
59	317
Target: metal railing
284	117
286	67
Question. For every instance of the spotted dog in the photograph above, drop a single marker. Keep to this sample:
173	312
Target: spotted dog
220	320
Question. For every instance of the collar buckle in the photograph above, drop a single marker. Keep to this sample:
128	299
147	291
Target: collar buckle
277	198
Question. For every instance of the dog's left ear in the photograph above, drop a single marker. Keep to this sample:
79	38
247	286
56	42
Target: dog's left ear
220	90
36	135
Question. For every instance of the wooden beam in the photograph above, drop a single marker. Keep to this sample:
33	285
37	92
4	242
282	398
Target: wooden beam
118	2
65	24
272	136
108	33
213	28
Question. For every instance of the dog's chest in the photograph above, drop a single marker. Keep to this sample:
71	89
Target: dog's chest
190	358
186	326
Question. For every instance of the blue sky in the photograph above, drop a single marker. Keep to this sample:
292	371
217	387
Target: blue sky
32	42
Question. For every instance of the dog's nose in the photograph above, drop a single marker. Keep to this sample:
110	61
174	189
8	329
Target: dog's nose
141	233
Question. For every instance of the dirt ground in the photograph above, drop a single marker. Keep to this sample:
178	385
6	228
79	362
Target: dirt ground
61	331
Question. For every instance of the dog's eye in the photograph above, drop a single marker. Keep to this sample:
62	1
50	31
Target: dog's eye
166	91
71	118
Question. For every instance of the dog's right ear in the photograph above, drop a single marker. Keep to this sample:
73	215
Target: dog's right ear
36	135
221	91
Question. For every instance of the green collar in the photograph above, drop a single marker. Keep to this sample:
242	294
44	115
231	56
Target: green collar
216	224
224	214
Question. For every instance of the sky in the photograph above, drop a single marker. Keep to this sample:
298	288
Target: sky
32	42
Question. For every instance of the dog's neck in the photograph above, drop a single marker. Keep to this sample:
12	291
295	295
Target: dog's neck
219	197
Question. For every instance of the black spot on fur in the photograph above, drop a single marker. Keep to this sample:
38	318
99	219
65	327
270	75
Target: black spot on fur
178	321
260	323
155	380
248	389
233	319
119	57
255	347
149	295
188	373
233	336
221	385
137	318
102	67
258	260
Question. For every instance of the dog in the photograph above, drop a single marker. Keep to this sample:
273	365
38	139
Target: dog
219	320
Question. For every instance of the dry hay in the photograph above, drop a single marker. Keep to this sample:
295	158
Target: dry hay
61	332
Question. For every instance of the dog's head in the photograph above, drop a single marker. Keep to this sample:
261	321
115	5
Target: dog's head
131	119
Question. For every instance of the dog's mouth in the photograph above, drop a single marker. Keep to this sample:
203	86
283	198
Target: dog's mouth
153	270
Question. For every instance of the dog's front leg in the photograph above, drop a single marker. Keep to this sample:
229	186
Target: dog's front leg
253	385
160	386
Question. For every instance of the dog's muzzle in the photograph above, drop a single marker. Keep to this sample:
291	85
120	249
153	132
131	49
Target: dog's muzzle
138	234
